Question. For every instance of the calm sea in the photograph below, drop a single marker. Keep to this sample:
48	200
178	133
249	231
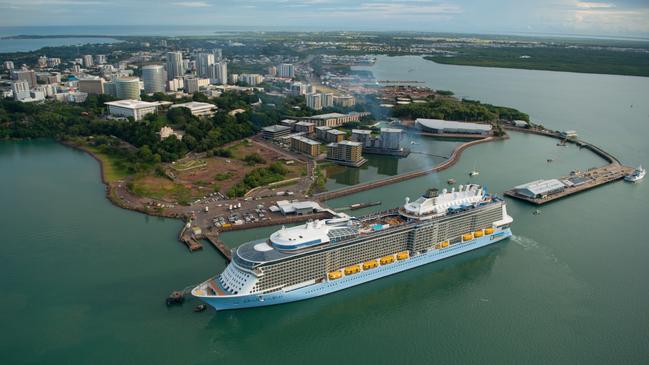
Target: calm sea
85	282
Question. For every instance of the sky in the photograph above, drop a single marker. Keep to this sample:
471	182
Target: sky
569	17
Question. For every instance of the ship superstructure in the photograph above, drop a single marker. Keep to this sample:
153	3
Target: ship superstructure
325	256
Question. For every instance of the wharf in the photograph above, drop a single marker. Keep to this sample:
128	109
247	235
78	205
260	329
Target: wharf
589	179
219	245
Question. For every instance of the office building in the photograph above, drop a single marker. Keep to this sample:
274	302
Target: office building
286	70
8	65
205	65
101	59
276	131
176	84
174	65
87	61
92	85
233	78
25	75
198	109
251	79
304	145
127	88
131	108
48	77
218	54
191	85
346	153
154	78
53	62
314	101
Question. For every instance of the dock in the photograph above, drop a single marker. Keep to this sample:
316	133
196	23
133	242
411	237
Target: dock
213	238
586	180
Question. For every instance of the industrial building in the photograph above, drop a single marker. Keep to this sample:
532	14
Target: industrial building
304	145
135	109
275	132
346	153
450	127
540	188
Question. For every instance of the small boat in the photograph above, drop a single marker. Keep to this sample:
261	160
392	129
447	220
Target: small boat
636	175
550	160
474	173
413	142
200	308
536	212
451	181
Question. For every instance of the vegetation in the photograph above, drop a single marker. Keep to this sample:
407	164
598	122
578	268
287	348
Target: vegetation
461	110
259	177
320	180
254	159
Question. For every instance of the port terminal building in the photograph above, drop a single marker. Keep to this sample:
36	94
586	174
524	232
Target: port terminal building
540	188
439	126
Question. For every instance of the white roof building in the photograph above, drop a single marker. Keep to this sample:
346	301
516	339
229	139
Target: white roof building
539	188
447	126
198	109
131	108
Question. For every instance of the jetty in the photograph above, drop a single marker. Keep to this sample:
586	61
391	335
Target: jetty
213	238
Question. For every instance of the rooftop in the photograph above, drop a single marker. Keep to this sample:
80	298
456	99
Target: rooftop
391	130
276	128
131	104
327	116
361	131
194	105
305	140
448	124
541	186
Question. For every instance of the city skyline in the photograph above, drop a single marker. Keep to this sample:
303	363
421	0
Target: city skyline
561	17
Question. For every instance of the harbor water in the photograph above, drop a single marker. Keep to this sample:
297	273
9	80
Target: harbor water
84	281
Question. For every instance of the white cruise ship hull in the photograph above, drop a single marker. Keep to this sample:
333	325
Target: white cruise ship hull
329	286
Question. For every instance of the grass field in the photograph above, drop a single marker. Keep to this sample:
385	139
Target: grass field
112	172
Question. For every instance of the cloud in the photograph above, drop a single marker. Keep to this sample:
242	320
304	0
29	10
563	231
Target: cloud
192	4
594	5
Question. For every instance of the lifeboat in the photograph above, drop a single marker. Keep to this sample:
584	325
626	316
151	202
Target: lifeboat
402	255
478	234
335	275
467	237
350	270
370	265
489	231
444	244
386	260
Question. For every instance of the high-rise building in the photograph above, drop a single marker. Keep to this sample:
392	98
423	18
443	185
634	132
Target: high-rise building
298	88
163	43
154	78
26	75
91	85
87	60
314	101
221	72
346	153
101	59
345	101
191	85
233	78
20	88
251	79
218	54
9	65
204	65
53	61
128	88
327	100
42	62
174	65
286	70
272	71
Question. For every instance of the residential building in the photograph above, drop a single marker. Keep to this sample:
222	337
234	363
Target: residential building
306	127
128	88
101	59
8	65
346	153
345	101
25	75
327	100
233	78
304	145
205	65
450	127
288	122
387	143
191	85
154	78
176	84
286	70
329	135
272	71
198	109
364	136
48	77
174	65
314	101
92	85
218	54
333	119
221	72
42	62
251	79
53	62
298	88
276	131
20	89
135	109
87	61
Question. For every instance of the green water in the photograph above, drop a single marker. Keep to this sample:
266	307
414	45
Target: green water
84	282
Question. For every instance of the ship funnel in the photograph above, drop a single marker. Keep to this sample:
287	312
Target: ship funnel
431	193
407	200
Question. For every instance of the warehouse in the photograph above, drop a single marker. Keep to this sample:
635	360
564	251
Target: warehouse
540	188
446	126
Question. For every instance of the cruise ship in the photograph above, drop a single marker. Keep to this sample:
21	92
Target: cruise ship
325	256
